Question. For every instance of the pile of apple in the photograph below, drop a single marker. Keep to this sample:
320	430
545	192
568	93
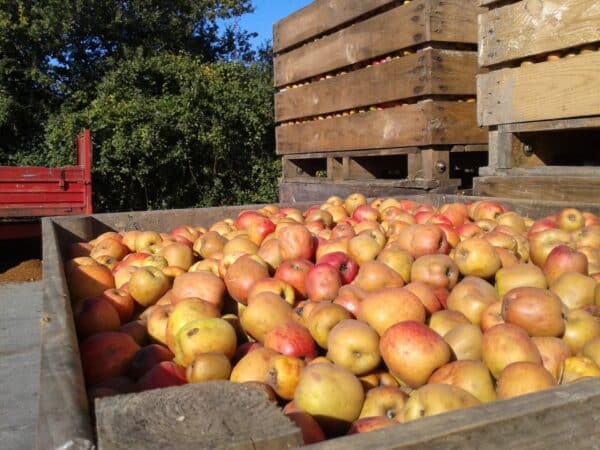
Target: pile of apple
351	315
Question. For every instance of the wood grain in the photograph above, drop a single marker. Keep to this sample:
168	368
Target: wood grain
533	27
319	17
543	188
407	25
216	414
420	124
427	72
546	91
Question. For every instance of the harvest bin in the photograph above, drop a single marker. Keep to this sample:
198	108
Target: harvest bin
564	417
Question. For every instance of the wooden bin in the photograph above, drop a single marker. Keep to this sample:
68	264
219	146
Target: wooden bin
540	98
377	90
564	417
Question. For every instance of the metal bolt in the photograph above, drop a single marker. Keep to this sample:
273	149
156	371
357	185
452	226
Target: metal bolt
440	166
527	150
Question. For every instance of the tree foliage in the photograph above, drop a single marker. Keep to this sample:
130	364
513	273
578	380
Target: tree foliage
180	108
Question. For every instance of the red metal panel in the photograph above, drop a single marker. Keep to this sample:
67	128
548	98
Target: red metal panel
42	191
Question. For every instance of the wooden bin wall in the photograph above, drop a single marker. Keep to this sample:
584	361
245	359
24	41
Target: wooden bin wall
564	417
358	75
563	88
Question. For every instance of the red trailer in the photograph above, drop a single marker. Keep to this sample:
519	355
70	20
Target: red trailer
29	193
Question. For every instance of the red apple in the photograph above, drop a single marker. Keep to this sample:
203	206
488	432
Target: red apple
294	273
164	374
146	358
344	263
322	283
291	339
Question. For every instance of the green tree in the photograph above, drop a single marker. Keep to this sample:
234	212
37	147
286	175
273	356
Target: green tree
171	131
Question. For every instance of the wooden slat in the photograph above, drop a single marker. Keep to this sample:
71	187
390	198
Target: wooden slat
545	91
408	25
319	17
428	72
545	188
552	125
532	27
419	124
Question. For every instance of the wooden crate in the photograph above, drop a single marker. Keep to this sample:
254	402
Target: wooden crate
377	76
540	98
564	417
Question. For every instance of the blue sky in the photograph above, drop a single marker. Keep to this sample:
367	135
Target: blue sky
266	13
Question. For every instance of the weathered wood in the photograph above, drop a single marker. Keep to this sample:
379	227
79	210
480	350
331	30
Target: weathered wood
319	17
20	316
425	73
368	152
559	418
421	124
416	186
533	27
552	125
408	25
216	414
546	91
544	188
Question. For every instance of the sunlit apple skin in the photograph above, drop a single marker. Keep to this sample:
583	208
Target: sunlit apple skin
323	282
564	259
368	424
435	270
471	375
332	395
433	399
506	343
355	346
412	351
294	273
346	266
291	339
423	239
537	311
296	242
520	378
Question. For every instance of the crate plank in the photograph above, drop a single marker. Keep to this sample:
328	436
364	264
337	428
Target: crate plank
546	188
532	27
408	25
215	414
319	17
544	91
428	72
419	124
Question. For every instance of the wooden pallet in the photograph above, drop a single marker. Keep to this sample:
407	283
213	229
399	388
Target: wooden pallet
540	98
374	75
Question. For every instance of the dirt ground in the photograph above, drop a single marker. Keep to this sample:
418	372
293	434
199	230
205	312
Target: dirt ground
20	260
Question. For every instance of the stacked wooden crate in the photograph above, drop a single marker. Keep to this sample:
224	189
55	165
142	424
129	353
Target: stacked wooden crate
378	93
540	98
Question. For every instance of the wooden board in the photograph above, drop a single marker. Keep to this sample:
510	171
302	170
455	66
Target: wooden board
215	414
550	90
319	17
420	124
427	72
20	306
533	27
544	188
408	25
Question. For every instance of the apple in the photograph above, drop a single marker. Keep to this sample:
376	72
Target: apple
543	242
471	375
147	285
553	351
519	275
259	229
491	315
537	311
203	284
264	312
158	319
109	247
269	252
471	297
294	272
276	286
465	341
86	278
330	394
564	259
343	263
342	230
577	367
477	257
146	358
322	319
184	312
121	301
253	366
423	239
164	374
128	239
435	270
209	244
310	428
93	315
364	247
106	355
322	283
385	401
373	275
206	335
291	339
512	220
207	367
444	320
412	351
354	345
332	245
368	424
179	255
385	307
506	343
575	289
295	242
350	297
523	377
146	239
137	330
581	328
433	399
284	372
570	219
242	275
353	201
